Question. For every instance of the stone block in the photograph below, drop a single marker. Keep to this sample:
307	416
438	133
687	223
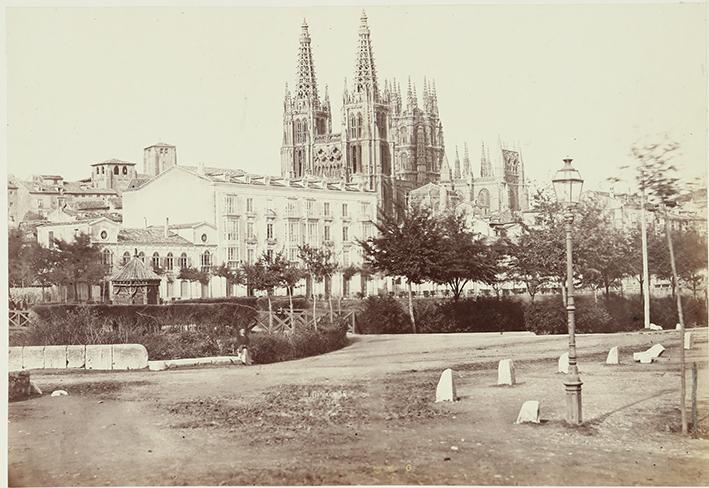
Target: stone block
129	356
678	326
98	356
55	357
14	362
57	393
172	363
564	363
506	372
646	357
445	391
33	357
157	365
18	385
528	413
613	356
688	340
75	356
655	327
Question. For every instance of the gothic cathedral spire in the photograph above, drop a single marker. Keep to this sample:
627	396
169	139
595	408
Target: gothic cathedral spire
365	79
306	87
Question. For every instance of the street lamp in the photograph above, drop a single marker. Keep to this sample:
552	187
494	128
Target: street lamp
567	186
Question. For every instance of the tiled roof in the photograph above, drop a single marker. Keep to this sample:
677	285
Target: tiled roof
114	161
93	204
135	270
77	187
160	144
150	235
138	182
117	202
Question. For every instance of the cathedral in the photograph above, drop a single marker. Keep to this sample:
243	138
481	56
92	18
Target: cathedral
387	143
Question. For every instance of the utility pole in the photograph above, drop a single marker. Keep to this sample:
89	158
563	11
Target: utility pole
646	271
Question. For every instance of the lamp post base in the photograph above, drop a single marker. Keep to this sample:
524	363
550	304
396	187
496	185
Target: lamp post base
573	401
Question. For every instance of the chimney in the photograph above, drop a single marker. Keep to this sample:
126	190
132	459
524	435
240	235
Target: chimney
167	225
145	222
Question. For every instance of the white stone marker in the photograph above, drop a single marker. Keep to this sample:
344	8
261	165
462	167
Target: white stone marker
655	327
529	412
678	326
506	372
59	393
646	357
688	340
613	356
445	391
564	363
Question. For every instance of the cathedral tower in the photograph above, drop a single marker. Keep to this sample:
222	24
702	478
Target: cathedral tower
305	117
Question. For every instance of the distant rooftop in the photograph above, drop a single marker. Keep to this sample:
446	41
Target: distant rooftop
160	144
135	270
150	235
113	161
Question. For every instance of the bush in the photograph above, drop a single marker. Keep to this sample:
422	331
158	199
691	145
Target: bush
382	315
270	348
476	315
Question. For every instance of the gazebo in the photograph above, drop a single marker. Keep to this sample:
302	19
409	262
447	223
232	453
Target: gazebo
136	284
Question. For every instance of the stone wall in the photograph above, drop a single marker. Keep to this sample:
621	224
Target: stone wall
95	356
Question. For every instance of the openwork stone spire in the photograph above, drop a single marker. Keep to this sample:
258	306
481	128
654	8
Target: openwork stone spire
466	159
306	87
485	163
365	79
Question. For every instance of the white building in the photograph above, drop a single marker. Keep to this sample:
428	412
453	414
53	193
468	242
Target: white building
252	215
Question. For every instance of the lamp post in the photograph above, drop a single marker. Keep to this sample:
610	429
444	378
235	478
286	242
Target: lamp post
567	186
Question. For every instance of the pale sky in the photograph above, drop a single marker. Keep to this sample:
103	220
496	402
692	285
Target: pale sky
89	84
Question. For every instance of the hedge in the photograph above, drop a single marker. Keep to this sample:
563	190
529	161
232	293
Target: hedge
388	315
213	332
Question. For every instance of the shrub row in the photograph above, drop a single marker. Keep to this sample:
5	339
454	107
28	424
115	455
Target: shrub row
198	330
388	315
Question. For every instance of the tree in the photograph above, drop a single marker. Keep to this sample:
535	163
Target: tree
407	247
233	276
691	259
287	274
193	274
74	262
462	257
528	262
261	276
655	176
320	265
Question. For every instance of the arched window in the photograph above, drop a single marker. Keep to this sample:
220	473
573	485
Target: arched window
107	257
125	170
169	262
156	260
141	256
97	170
182	262
103	170
126	258
484	201
115	170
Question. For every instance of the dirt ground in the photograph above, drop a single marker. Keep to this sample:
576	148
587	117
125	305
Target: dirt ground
366	415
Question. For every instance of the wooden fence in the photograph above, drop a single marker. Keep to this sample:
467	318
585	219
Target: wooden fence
19	318
284	321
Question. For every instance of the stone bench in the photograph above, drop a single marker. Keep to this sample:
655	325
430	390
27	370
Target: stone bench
92	356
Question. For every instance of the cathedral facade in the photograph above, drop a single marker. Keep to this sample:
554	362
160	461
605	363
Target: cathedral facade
386	142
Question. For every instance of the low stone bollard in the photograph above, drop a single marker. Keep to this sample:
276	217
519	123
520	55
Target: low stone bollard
445	391
506	372
529	413
564	363
655	327
613	356
647	357
18	385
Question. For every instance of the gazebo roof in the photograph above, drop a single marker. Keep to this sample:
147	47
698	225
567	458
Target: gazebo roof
135	270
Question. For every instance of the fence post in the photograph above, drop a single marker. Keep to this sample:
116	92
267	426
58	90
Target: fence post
695	427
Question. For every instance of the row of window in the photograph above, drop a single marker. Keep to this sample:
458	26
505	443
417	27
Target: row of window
231	206
168	262
293	231
233	258
116	170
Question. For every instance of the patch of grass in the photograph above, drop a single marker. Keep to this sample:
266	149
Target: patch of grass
103	389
